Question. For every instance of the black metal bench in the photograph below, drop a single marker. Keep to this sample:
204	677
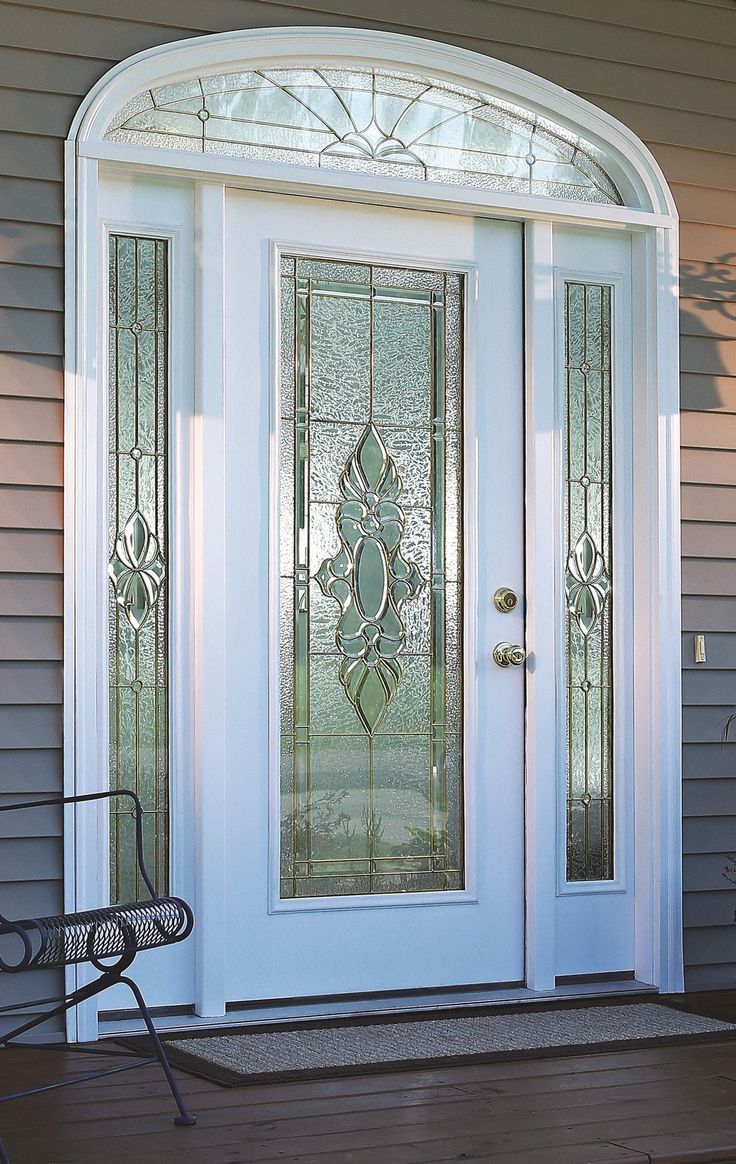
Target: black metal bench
115	931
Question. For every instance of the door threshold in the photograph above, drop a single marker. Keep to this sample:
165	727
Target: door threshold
372	1006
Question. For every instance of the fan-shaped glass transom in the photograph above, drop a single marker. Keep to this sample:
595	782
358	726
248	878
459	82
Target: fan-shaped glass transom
372	121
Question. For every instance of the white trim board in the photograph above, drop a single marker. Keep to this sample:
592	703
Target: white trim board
652	220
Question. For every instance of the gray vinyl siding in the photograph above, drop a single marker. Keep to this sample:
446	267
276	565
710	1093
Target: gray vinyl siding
665	68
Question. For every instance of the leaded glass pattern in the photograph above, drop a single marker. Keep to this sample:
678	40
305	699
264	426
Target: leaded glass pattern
372	121
138	553
371	579
588	575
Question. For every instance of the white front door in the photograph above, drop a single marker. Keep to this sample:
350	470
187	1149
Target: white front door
373	502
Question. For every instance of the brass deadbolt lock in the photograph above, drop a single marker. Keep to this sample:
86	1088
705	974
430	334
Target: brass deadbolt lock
505	600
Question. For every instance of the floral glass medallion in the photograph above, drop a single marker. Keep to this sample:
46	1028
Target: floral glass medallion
370	579
372	121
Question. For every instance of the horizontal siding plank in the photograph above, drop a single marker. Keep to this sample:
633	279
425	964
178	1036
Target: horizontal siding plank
36	683
32	899
31	331
29	822
698	203
710	977
31	770
37	244
25	374
709	909
708	393
699	167
705	430
707	244
30	200
21	861
40	114
704	873
699	503
24	464
708	466
709	946
32	157
708	317
721	648
30	638
710	797
709	687
25	419
706	724
708	761
709	577
27	508
31	552
27	726
31	595
706	613
709	834
50	72
708	356
33	287
701	539
708	280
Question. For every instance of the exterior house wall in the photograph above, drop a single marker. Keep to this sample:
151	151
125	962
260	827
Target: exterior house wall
665	68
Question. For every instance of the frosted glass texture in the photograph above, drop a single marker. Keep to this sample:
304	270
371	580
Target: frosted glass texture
372	121
138	545
371	584
588	583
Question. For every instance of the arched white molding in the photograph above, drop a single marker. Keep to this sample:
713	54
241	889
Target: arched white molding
649	214
630	163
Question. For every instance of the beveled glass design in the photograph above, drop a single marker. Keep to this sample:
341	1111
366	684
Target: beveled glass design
371	579
138	544
373	121
588	582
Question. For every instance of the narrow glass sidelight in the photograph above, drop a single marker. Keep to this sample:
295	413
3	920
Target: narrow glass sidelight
138	553
588	575
371	579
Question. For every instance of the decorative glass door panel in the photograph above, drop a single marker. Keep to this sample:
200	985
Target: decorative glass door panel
371	481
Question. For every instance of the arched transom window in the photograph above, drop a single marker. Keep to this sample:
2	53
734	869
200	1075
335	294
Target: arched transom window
373	121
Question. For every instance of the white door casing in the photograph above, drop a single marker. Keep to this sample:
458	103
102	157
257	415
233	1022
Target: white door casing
654	513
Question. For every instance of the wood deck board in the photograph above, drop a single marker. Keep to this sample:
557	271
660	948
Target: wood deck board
670	1105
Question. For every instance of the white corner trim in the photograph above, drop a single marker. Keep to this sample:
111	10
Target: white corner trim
632	165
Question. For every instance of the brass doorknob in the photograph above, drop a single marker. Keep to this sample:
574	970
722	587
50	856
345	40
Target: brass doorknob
508	654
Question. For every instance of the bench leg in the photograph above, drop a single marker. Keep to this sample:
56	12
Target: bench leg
184	1119
4	1159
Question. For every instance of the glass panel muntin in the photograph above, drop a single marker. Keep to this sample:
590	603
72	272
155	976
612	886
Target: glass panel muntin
307	280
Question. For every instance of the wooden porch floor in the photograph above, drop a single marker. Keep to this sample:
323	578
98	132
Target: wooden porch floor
668	1104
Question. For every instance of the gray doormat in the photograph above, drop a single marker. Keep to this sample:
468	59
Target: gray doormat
241	1056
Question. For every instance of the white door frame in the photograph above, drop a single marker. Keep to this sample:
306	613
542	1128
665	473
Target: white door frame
650	217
